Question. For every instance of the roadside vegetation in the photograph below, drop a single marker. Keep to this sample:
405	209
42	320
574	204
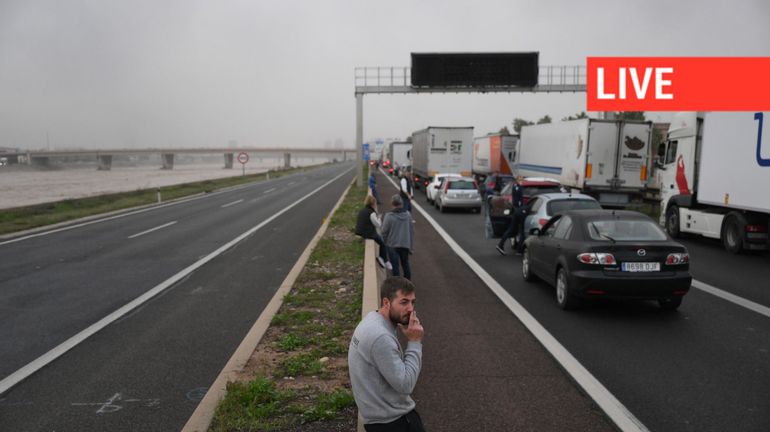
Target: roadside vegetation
297	378
24	218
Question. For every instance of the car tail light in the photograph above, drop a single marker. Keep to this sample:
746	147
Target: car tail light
677	258
426	183
756	228
680	292
599	258
542	221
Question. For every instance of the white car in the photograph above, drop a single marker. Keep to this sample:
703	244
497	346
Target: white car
435	184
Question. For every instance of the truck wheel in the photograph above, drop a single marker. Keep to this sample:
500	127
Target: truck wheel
732	234
672	221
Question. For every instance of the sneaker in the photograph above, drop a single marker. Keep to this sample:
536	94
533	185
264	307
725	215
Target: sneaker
388	265
499	249
380	261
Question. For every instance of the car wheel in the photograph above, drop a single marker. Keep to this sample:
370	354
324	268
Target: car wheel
670	303
672	221
732	235
564	297
526	271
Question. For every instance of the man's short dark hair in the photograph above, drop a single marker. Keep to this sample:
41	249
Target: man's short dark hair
393	284
396	201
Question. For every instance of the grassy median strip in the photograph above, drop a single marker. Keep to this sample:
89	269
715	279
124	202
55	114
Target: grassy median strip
297	379
23	218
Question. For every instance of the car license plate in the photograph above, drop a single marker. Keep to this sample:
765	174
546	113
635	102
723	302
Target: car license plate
640	266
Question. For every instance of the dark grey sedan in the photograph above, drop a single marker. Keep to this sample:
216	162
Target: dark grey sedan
592	254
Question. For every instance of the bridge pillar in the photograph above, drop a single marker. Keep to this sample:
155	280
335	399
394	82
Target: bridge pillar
168	160
104	161
287	160
229	161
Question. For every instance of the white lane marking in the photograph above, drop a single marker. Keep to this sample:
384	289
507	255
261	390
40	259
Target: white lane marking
268	191
740	301
291	183
619	414
152	229
232	203
35	365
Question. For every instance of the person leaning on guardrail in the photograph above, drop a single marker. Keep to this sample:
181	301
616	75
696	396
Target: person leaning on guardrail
398	233
368	226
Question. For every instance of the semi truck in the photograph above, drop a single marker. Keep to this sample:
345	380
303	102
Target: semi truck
607	159
494	153
400	153
441	150
713	173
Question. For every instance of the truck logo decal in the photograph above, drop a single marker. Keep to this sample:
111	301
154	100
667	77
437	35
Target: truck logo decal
634	143
681	179
760	160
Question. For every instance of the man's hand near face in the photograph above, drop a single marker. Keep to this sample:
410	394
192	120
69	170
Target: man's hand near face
413	331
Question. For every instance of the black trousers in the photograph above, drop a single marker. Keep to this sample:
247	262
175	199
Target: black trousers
409	422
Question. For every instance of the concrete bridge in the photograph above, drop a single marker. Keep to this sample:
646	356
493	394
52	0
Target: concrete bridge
167	155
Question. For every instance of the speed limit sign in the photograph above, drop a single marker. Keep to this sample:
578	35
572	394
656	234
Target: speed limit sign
243	157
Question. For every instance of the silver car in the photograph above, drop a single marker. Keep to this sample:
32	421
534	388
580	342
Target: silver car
458	192
543	207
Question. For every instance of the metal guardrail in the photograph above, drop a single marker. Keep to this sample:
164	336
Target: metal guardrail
551	78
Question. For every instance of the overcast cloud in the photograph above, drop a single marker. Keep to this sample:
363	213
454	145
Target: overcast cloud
149	73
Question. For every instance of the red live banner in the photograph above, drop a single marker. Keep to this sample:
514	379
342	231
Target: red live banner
678	83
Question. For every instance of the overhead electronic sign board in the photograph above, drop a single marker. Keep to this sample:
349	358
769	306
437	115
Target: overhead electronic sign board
474	69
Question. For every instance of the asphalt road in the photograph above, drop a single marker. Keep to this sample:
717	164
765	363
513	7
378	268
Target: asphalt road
149	369
703	368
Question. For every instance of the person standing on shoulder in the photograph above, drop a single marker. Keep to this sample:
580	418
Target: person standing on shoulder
373	187
383	374
405	190
368	226
398	233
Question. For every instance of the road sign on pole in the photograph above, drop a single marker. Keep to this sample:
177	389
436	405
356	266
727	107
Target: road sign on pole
243	157
366	152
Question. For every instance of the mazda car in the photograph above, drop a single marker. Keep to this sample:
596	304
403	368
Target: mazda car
594	254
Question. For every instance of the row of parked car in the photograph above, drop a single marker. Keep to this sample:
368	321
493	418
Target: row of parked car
583	251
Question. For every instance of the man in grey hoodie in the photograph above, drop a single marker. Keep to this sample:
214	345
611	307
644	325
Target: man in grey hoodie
382	374
398	233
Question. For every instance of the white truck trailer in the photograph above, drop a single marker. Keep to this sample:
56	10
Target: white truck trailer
713	174
400	153
608	159
441	150
494	153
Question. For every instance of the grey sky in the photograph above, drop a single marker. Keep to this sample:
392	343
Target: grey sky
148	73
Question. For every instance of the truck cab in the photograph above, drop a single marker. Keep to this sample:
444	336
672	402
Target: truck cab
712	179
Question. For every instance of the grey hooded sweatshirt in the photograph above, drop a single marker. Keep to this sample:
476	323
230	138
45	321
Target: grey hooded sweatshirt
397	229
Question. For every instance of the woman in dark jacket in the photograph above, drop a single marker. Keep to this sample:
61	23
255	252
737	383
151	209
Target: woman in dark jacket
368	227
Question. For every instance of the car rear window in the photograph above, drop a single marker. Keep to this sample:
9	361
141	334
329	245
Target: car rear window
534	190
558	206
625	230
461	184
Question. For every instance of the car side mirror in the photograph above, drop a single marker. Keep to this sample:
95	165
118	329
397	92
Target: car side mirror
535	231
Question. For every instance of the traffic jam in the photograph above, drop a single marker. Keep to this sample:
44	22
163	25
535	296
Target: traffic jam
598	207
